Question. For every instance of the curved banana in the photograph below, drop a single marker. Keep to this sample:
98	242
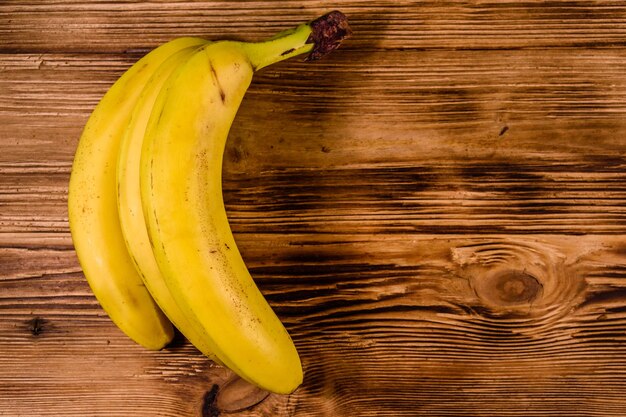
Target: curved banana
92	207
129	203
181	192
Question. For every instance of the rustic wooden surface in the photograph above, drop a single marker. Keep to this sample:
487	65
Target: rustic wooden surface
436	211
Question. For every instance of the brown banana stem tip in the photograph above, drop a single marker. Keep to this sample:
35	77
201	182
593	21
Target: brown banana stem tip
327	32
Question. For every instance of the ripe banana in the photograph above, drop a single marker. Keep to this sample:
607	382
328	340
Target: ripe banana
92	207
180	181
129	203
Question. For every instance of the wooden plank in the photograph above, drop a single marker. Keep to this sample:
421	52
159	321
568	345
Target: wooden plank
434	317
43	26
483	197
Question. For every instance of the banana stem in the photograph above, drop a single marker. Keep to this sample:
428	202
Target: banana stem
318	38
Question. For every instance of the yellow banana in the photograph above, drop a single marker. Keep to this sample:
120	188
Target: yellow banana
129	203
181	193
92	207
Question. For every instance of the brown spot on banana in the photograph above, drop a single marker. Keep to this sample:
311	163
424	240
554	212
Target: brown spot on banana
217	81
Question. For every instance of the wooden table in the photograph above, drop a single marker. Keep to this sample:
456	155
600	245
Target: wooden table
436	211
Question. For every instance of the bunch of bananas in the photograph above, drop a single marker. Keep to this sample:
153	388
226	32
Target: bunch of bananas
146	210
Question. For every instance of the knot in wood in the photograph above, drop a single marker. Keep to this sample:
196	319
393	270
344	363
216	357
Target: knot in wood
35	326
515	287
238	395
508	288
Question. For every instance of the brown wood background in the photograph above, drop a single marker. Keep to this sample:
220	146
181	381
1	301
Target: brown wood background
436	211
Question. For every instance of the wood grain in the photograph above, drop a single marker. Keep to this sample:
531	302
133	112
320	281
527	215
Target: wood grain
76	25
436	211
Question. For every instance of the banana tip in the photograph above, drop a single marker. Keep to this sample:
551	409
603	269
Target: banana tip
327	33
